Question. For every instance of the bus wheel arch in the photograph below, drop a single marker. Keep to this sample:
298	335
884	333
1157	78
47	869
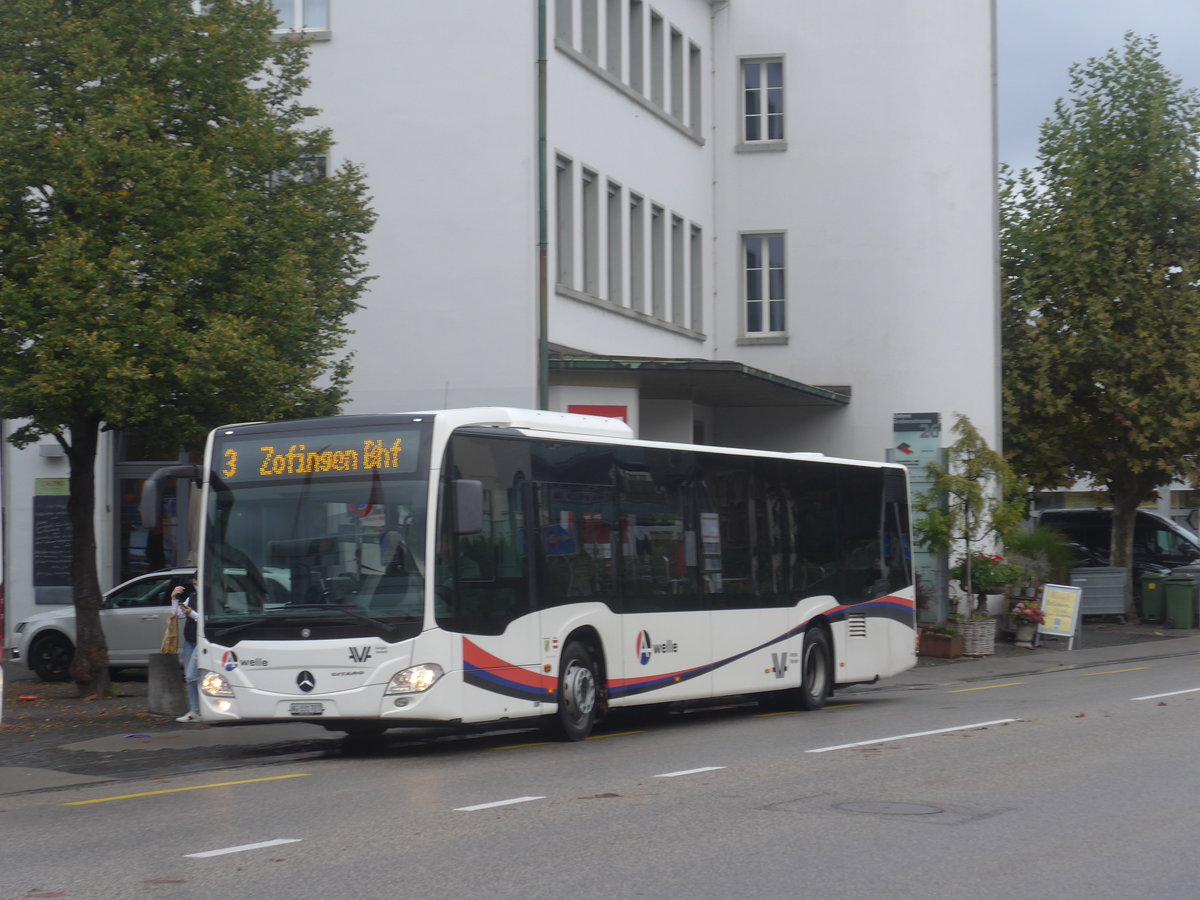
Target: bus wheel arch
816	666
582	694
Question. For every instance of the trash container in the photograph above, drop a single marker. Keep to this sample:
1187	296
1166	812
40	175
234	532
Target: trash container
1179	598
1152	597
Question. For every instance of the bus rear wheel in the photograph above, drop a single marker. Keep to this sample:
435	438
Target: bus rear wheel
578	693
816	680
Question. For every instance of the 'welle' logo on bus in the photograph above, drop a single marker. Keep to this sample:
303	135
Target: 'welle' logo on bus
646	648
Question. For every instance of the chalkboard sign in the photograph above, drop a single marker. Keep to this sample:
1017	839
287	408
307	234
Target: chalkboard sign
51	542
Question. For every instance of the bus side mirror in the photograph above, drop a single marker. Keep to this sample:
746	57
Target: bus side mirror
468	506
152	487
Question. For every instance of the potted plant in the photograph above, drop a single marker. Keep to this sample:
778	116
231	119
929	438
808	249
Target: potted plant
974	501
941	641
1027	617
1040	555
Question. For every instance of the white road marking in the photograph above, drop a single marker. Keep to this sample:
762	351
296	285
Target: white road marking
916	734
1171	694
497	803
243	847
689	772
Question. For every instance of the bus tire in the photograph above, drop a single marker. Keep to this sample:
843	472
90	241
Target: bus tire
578	693
816	670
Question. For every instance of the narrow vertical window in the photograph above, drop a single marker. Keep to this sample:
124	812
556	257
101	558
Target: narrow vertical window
764	286
564	26
695	82
762	100
637	254
696	281
676	74
613	38
656	59
678	250
589	29
564	233
658	262
637	46
616	246
591	233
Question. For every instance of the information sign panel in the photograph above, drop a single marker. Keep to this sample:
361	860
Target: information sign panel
1060	604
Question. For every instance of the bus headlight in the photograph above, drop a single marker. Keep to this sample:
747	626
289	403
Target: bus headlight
415	680
213	684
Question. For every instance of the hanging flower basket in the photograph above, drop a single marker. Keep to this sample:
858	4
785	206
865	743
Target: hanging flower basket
979	636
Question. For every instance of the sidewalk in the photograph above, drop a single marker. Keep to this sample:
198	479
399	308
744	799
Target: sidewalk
50	738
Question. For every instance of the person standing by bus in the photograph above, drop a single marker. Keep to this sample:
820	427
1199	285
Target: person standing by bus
183	606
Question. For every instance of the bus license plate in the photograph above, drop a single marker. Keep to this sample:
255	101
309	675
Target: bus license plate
307	709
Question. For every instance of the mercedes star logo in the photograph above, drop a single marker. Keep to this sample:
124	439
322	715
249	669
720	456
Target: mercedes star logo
305	681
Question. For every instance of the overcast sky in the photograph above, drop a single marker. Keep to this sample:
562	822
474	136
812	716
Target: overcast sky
1038	40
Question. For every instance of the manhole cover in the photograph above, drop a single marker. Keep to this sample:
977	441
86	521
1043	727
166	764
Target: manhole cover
883	808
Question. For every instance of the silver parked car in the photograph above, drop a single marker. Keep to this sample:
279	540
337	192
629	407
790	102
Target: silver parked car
133	617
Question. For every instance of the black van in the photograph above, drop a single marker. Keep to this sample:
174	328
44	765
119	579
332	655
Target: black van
1157	541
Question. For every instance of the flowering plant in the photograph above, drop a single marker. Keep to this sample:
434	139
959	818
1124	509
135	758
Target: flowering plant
989	573
1025	614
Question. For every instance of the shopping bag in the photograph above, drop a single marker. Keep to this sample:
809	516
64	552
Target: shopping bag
170	641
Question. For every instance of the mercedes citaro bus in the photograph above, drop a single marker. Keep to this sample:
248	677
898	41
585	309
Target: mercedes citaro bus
487	565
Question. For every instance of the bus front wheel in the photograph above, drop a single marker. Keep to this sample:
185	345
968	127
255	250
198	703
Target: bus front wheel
816	684
578	693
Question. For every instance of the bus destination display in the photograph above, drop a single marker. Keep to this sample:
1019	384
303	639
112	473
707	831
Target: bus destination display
292	455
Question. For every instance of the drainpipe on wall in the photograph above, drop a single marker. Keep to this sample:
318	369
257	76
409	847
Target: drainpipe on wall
543	339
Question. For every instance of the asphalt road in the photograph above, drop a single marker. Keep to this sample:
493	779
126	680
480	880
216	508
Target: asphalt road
1065	775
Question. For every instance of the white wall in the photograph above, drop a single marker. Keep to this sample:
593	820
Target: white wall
436	101
886	192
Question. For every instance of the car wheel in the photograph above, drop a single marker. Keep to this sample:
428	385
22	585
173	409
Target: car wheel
50	657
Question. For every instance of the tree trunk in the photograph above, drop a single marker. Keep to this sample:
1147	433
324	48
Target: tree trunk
89	668
1125	507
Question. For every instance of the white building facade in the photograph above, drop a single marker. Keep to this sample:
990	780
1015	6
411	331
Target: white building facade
765	223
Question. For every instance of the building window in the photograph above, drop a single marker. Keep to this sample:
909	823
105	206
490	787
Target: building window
656	59
658	262
637	254
615	244
302	15
763	283
563	26
591	233
589	26
677	74
762	100
637	46
694	82
612	38
678	236
564	235
696	283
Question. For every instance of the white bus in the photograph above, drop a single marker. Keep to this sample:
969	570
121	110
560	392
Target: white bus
488	565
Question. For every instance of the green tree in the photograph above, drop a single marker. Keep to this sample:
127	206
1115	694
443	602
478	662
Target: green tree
169	256
1100	260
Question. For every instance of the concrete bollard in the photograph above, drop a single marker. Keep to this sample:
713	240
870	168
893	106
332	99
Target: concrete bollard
165	689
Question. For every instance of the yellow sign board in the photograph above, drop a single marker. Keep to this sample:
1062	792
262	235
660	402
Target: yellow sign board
1060	604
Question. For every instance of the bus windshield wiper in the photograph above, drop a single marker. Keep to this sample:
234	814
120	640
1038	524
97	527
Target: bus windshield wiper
343	612
226	630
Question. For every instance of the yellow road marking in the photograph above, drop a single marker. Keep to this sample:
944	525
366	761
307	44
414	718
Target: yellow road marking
198	787
1118	671
986	687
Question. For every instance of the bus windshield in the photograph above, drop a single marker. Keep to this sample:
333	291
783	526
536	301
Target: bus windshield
315	536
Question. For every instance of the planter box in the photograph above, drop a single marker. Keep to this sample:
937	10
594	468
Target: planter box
941	646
